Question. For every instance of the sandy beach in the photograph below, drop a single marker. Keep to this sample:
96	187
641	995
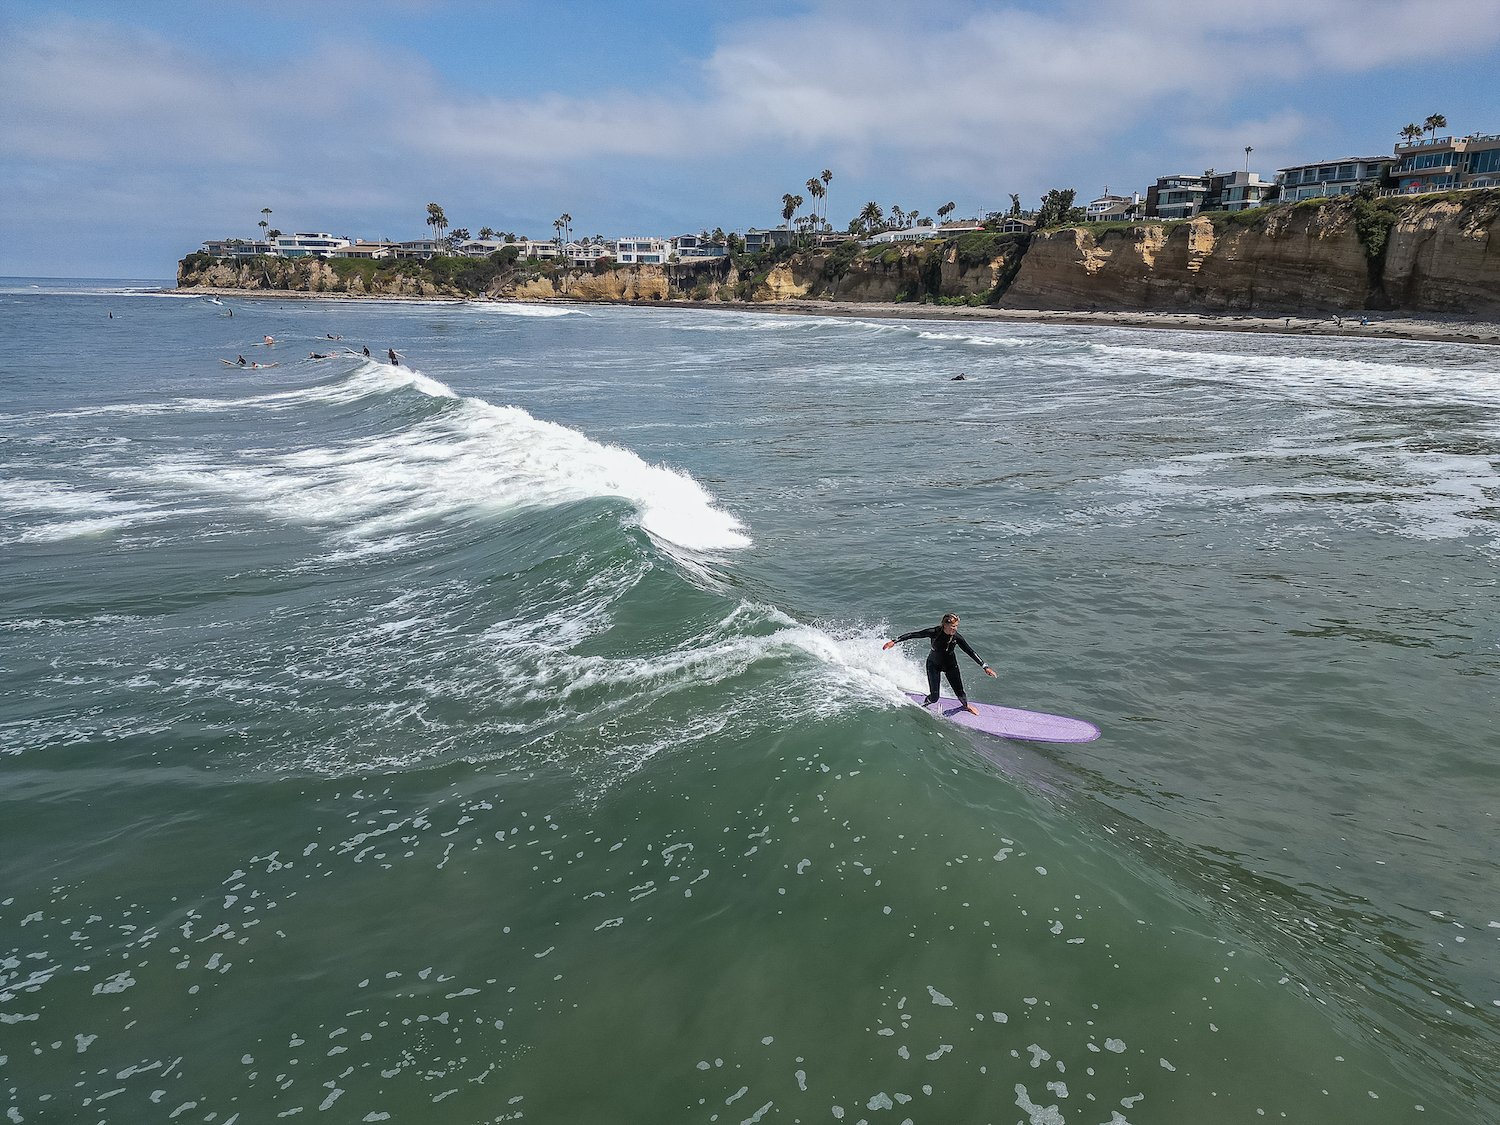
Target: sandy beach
1429	327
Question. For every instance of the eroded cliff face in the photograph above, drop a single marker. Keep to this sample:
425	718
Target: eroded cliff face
1428	254
304	275
638	283
1441	255
1445	257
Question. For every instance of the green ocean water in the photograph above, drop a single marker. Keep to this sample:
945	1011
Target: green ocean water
506	735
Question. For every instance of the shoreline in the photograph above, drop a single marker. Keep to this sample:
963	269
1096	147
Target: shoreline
1433	328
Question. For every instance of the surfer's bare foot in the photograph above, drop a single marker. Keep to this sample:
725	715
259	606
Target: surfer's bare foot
971	709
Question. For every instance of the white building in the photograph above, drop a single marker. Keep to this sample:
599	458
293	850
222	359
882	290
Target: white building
305	244
585	254
641	251
1241	191
1112	208
917	233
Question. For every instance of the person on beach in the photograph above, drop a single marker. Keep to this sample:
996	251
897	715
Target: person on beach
941	660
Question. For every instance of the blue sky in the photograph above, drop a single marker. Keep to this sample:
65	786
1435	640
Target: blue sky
131	132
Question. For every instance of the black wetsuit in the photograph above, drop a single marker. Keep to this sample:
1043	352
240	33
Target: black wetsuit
941	661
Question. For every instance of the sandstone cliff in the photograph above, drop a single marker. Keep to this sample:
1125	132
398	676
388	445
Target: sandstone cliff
1425	254
1439	254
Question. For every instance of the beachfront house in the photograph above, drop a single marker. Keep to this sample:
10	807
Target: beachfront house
236	248
419	249
585	254
1109	208
959	226
1448	163
1240	191
1178	197
1014	224
758	241
641	251
305	244
918	233
1332	177
481	247
362	249
694	247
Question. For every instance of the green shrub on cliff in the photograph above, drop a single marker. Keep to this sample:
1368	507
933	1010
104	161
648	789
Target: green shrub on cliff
1373	219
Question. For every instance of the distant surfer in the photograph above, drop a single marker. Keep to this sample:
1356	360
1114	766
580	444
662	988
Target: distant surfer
959	378
941	661
395	359
367	351
242	361
270	341
319	355
331	336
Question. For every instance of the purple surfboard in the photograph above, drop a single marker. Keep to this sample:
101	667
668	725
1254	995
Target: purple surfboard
1007	722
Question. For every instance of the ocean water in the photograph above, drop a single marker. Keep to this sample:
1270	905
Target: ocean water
506	735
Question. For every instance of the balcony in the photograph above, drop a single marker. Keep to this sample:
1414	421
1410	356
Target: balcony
1436	142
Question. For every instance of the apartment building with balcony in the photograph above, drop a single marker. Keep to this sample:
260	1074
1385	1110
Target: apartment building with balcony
1446	163
1332	177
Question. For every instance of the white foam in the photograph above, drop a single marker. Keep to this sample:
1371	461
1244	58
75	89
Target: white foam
472	457
516	308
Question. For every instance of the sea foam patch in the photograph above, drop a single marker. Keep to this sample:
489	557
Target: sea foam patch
468	456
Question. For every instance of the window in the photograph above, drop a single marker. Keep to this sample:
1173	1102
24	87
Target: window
1487	161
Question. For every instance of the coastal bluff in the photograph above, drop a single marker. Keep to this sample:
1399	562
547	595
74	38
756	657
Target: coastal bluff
1422	254
1429	254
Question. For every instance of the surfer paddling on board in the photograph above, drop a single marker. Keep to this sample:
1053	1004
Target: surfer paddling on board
945	637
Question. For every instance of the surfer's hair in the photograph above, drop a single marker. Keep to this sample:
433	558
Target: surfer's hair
950	619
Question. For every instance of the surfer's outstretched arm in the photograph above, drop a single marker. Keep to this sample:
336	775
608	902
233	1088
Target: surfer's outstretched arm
913	635
963	644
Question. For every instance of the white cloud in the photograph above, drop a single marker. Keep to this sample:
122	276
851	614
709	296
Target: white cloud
958	98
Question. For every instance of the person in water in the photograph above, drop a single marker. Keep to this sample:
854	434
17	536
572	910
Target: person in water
941	661
242	361
395	361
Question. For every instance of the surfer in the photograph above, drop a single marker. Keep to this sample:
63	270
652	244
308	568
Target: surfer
367	351
941	661
395	359
959	378
242	361
270	341
319	355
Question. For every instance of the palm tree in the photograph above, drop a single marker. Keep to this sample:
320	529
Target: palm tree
273	234
871	216
789	205
567	222
827	177
437	221
557	225
486	233
817	191
898	216
1411	132
1435	122
1015	205
946	209
265	213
